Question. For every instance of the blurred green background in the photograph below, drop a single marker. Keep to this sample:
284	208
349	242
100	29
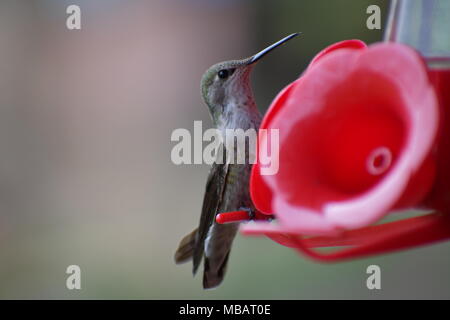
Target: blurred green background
85	172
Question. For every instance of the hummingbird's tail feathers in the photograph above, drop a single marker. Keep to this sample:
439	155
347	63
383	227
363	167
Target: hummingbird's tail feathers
185	249
197	257
212	277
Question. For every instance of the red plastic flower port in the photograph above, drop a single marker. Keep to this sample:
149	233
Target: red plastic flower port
358	139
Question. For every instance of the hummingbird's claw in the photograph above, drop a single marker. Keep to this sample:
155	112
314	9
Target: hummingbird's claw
250	212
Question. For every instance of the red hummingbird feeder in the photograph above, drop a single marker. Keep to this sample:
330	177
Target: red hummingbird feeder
362	136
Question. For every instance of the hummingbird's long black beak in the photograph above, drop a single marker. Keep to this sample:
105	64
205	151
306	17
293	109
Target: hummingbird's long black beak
262	53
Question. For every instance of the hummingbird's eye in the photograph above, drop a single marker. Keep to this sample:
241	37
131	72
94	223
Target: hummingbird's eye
223	74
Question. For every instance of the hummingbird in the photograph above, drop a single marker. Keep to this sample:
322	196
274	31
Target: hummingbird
226	90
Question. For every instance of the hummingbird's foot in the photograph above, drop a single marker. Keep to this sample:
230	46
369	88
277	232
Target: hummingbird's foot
254	214
250	212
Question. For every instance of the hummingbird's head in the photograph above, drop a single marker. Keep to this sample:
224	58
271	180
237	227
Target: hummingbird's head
227	83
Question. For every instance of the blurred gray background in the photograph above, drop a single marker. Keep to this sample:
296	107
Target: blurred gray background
85	171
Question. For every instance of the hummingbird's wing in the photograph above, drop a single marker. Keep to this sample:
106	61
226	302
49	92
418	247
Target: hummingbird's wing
212	200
